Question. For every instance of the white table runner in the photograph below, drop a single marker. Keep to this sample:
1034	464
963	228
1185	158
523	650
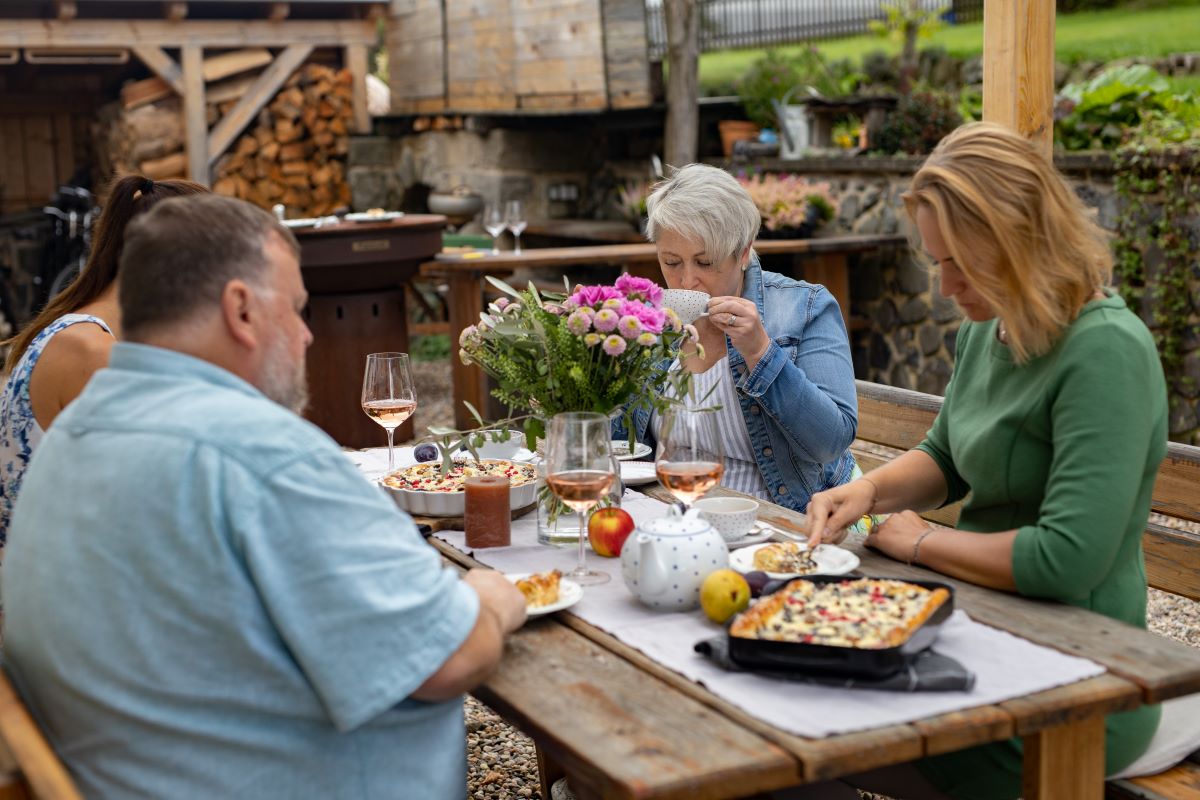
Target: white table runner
1006	666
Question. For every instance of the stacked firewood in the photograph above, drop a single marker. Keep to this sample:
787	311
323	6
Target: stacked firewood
293	152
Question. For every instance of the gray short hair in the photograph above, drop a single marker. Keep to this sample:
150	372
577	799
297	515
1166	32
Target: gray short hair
179	256
705	203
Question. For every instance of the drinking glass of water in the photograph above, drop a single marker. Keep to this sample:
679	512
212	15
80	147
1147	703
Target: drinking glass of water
494	224
514	216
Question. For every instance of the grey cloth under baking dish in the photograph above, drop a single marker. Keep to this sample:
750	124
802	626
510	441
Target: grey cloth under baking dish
929	671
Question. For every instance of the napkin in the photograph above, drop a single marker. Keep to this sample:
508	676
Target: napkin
928	671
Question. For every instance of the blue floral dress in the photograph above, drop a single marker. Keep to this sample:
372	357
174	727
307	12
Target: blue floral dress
19	430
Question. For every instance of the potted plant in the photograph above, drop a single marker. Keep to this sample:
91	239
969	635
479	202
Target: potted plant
791	207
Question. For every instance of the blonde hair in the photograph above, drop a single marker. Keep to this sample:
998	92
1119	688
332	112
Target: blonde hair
705	203
1021	237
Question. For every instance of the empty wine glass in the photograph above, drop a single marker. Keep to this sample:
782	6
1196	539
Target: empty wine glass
388	396
494	224
579	470
514	216
691	455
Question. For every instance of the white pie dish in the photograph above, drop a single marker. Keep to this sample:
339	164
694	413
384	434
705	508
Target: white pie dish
452	504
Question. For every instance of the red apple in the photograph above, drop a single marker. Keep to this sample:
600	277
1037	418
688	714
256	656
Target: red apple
608	529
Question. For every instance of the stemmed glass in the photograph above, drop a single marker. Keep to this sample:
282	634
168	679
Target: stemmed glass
579	470
494	224
691	456
388	396
514	216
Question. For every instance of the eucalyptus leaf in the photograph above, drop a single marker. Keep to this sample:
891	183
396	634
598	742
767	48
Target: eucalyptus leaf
502	286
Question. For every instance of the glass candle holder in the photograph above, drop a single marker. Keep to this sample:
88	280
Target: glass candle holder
487	519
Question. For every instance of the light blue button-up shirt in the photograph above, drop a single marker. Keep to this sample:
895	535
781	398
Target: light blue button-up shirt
203	598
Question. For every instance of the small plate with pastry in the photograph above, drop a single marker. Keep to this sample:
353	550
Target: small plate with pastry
546	592
789	559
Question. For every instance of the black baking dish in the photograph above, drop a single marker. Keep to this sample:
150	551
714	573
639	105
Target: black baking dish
836	660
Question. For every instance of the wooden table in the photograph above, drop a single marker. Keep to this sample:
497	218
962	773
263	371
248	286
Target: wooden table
622	726
355	274
822	261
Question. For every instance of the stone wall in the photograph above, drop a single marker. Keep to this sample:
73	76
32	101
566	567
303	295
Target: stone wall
910	333
499	164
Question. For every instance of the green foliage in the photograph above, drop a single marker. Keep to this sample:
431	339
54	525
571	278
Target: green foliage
1097	114
918	122
880	68
1158	180
777	76
970	103
899	15
435	347
1167	28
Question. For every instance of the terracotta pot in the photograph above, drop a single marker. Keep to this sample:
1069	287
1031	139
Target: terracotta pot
735	130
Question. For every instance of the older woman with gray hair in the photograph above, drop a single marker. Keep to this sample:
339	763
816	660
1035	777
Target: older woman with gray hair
775	355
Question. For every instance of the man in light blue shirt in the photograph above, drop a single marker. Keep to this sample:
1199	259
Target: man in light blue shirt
203	598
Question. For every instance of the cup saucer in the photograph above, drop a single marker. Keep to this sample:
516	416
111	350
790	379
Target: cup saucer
756	535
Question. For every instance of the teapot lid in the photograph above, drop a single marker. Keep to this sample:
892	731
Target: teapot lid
672	524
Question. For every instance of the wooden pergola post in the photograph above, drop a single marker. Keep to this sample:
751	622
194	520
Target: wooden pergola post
1018	67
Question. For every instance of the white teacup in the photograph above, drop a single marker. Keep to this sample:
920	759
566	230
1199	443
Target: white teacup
731	516
687	303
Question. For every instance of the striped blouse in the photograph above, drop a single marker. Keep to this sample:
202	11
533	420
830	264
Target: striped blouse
741	471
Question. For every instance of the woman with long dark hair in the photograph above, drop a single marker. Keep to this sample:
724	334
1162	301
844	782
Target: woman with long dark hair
53	357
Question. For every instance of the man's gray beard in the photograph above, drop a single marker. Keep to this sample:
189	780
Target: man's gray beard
282	382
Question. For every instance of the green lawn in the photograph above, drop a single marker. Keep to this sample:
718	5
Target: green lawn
1096	35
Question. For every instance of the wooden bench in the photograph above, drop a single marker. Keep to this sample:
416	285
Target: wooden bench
29	767
896	420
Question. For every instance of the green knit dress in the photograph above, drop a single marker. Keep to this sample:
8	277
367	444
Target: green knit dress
1065	449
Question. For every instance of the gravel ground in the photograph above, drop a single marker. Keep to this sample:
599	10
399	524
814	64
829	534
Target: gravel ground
501	762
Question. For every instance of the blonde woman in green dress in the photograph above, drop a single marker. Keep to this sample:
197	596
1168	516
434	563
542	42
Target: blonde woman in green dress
1054	422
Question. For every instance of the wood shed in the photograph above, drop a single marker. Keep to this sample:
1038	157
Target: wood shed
518	56
211	67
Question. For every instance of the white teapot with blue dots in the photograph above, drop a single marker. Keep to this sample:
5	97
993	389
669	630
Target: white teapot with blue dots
666	559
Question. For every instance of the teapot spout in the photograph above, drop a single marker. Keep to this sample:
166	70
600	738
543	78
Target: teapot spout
652	575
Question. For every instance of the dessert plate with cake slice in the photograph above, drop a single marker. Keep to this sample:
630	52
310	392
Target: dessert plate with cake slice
546	592
789	559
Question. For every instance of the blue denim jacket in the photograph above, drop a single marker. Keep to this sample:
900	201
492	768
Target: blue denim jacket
799	402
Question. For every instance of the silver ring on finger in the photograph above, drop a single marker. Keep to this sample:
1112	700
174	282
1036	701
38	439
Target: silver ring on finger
732	319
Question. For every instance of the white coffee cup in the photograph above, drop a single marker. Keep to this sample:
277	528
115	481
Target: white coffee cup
687	303
731	516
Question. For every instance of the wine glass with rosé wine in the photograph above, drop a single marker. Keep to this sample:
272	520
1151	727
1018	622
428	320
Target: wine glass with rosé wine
579	470
388	396
691	456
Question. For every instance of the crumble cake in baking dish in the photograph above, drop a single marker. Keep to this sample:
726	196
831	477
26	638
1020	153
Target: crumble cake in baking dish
868	613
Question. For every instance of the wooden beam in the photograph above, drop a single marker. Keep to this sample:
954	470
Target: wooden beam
1066	762
259	93
1018	67
356	62
161	65
279	12
46	774
201	33
195	122
65	10
235	63
175	10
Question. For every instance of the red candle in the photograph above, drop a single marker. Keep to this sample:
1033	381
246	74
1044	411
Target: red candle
488	518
